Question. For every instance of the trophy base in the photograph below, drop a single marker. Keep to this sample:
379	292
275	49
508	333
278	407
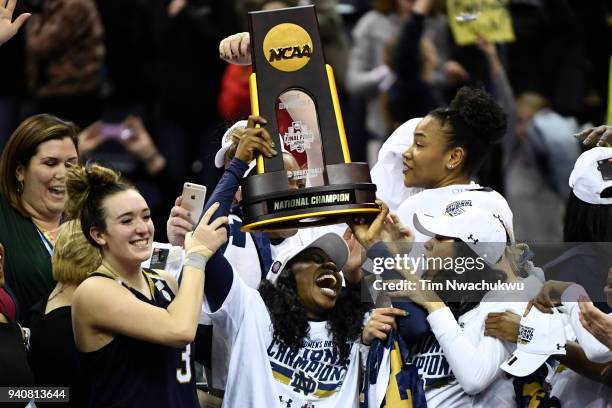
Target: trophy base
267	206
324	216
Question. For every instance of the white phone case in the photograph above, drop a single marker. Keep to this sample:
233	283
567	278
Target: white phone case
194	197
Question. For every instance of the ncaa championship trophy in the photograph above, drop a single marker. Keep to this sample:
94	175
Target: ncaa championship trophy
295	90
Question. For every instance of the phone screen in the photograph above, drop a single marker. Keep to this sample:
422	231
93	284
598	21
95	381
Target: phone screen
118	131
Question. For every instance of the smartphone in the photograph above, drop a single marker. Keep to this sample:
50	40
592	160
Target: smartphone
116	131
605	168
159	258
194	196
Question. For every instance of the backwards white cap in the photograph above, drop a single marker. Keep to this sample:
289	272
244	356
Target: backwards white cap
331	243
485	199
478	228
540	336
587	179
226	142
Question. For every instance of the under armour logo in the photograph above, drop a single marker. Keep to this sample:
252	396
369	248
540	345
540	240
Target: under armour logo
287	403
471	238
308	405
498	217
559	346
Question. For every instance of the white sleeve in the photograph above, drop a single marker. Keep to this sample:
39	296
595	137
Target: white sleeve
594	350
228	318
475	366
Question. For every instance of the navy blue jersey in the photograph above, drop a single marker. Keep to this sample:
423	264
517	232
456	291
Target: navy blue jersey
133	373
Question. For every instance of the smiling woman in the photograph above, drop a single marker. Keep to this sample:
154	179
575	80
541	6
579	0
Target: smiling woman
32	197
297	336
134	327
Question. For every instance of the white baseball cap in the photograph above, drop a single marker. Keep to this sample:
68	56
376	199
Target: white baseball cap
331	243
540	336
587	180
478	228
486	199
226	142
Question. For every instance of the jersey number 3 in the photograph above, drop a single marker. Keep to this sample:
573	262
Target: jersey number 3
183	374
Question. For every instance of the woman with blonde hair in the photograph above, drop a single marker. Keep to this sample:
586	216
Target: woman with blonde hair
53	355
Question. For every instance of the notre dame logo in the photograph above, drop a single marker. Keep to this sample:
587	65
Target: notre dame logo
287	47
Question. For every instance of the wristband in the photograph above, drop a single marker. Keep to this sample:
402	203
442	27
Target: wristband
195	260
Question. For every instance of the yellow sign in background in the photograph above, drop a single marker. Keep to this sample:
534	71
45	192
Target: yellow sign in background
490	18
610	93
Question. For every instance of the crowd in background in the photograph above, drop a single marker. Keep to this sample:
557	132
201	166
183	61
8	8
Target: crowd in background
143	89
89	61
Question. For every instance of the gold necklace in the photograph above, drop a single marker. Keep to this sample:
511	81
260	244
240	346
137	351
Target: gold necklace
48	234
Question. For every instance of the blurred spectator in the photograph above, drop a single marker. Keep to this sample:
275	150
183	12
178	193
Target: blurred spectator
333	37
367	68
540	160
413	61
548	54
234	97
132	36
139	160
65	52
190	84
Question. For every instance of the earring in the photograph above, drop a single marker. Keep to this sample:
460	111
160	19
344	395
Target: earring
19	187
449	166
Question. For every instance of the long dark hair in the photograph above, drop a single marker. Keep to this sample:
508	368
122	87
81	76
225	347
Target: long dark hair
289	320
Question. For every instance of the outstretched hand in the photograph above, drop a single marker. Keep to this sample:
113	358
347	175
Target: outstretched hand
596	322
597	136
8	27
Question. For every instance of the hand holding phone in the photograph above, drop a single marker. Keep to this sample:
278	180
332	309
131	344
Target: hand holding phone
193	198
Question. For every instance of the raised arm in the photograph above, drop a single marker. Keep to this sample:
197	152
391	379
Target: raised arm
101	305
8	27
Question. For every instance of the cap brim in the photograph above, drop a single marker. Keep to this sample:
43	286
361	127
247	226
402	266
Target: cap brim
331	243
220	157
521	364
431	226
334	246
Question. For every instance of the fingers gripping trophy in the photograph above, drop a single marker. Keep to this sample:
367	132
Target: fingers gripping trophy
295	90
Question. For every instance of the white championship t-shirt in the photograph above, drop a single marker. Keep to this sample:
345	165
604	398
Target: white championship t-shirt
266	373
